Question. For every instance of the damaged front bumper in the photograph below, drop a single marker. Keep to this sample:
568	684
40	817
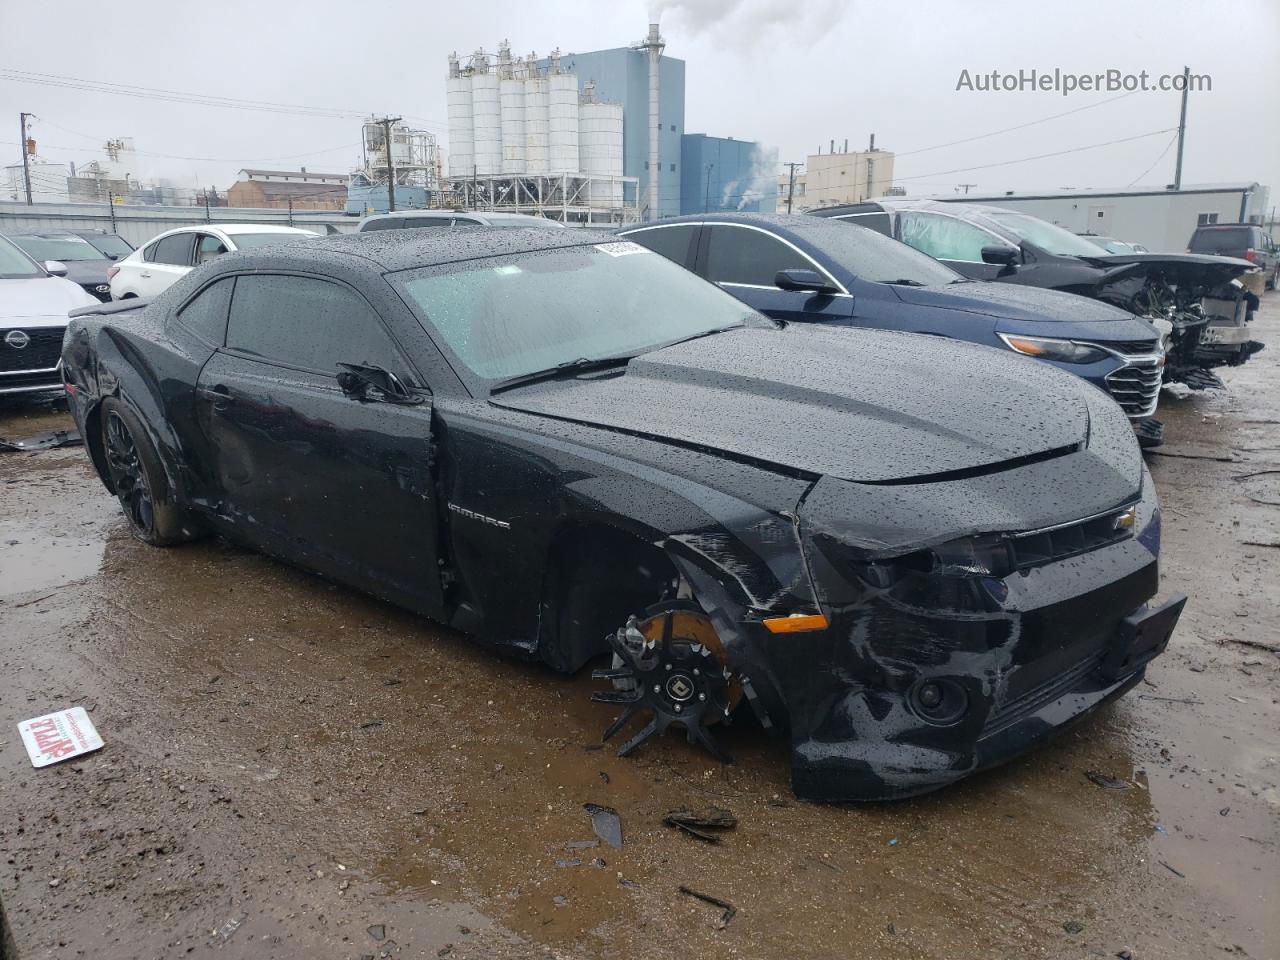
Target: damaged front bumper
943	660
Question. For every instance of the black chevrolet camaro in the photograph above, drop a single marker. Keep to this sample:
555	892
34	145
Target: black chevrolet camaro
913	558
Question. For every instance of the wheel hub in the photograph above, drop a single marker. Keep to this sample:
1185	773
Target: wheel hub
669	664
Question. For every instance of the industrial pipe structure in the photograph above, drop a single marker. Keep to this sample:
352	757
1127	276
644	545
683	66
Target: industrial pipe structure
653	46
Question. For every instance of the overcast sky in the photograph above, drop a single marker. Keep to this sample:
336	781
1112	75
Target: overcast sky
790	74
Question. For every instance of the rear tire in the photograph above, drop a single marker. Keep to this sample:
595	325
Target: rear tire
140	482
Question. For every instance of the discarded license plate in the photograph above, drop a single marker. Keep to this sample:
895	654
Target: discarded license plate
59	736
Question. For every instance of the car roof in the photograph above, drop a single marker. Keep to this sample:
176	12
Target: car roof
791	225
406	249
48	234
491	216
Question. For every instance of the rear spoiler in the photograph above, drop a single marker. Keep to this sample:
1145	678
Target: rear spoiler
107	309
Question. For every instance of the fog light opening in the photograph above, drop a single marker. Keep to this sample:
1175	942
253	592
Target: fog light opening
939	701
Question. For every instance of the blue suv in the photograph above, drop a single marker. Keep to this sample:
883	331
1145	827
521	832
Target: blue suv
808	270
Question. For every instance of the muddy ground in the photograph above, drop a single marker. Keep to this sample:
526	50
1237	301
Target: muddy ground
294	770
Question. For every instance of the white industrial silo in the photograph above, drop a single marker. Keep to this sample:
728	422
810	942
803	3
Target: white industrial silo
562	119
600	146
486	113
536	135
461	128
511	94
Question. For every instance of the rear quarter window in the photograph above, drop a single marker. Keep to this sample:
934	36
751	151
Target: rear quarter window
205	314
1225	238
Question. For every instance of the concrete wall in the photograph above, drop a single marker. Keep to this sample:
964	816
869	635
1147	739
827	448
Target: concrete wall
621	75
720	173
138	224
1161	221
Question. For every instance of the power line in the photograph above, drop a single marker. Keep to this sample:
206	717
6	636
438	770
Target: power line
173	156
1171	142
1020	126
179	96
1040	156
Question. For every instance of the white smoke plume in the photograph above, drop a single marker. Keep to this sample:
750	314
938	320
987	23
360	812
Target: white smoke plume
745	19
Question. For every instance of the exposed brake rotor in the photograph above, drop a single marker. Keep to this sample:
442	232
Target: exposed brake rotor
672	664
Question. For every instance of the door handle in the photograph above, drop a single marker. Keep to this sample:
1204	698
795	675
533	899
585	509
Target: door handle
147	275
219	396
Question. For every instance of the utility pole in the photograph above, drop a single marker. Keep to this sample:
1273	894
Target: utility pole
391	164
791	183
1182	128
965	186
26	165
291	211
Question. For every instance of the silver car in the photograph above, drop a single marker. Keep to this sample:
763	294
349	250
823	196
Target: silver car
34	301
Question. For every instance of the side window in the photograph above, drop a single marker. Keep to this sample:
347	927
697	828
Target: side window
944	238
149	254
436	222
386	224
175	250
308	323
208	247
466	222
672	242
739	255
206	314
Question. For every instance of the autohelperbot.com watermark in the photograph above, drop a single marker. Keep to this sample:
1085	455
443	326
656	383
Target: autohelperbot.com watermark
1066	82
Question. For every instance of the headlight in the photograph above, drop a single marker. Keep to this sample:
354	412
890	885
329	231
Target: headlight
1064	351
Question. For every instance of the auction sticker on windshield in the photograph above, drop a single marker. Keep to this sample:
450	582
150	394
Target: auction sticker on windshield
59	736
621	248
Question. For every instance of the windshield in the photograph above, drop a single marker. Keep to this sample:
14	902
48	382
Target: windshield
109	244
869	255
1048	237
14	264
66	249
502	317
251	241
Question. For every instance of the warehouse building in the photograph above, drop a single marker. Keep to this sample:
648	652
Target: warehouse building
721	173
1161	219
288	189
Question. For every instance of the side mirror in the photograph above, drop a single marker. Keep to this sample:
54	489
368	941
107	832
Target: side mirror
112	256
55	268
1005	256
356	380
796	279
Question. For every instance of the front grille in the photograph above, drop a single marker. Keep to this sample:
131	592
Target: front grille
1027	703
1136	388
1131	348
40	353
21	382
1038	547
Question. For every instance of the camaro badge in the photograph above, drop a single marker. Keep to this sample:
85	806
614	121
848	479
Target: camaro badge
471	514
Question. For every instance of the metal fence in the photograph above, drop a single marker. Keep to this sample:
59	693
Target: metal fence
138	223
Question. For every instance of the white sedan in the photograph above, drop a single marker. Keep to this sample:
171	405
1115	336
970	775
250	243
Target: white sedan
151	269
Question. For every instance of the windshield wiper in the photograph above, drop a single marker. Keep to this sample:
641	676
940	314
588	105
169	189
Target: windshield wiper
581	364
905	282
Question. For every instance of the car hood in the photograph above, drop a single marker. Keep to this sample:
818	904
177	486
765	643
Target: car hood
867	406
1177	268
40	301
92	272
1011	301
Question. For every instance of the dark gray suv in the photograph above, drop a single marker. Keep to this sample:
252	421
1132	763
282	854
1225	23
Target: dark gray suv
1246	241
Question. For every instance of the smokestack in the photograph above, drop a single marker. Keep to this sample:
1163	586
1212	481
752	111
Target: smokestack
846	144
873	142
653	44
833	146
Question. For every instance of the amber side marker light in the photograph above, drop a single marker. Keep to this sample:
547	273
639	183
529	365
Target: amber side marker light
803	624
1029	347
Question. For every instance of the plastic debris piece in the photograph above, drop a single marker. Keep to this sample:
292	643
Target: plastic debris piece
730	911
702	825
1110	783
606	823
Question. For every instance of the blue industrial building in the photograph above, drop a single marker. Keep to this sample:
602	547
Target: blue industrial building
721	173
621	76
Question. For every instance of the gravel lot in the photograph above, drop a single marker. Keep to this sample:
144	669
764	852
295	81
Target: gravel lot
294	770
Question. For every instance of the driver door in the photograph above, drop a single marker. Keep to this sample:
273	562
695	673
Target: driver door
338	484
